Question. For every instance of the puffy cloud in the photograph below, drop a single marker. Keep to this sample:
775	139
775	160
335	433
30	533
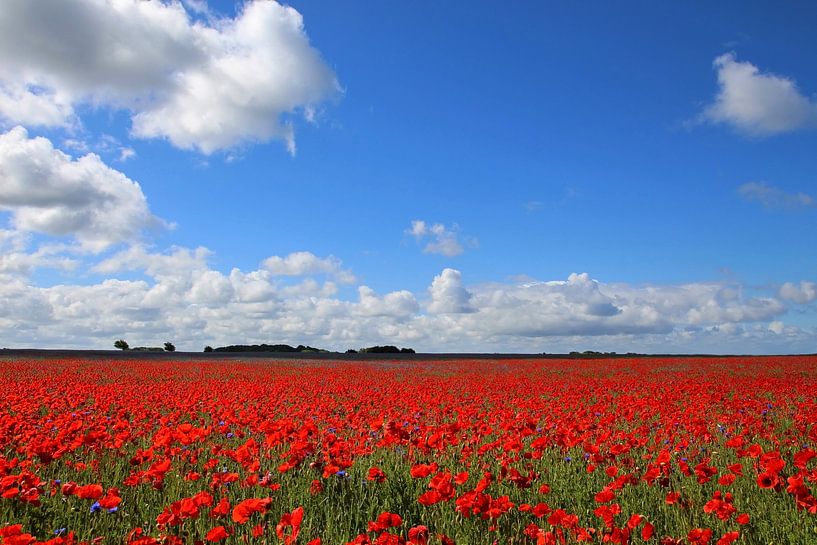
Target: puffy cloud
182	298
440	239
398	304
773	197
24	263
206	84
448	296
47	191
758	103
21	104
175	263
17	259
307	263
802	293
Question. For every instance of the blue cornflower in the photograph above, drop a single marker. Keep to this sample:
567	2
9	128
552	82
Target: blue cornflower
95	508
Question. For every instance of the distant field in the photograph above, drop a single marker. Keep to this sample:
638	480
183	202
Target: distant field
468	451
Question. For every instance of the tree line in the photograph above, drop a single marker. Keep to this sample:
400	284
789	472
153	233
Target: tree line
121	344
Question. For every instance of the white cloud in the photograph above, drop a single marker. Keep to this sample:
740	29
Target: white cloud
24	263
183	299
758	103
17	259
178	262
448	296
307	263
126	153
773	197
21	104
47	191
398	304
208	84
802	293
777	327
440	239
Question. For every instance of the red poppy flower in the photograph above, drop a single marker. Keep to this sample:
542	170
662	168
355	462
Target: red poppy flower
217	534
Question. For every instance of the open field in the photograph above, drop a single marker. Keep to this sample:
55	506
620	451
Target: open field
648	450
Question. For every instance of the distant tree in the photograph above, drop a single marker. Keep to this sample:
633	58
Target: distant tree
121	344
208	348
387	349
351	351
169	347
267	348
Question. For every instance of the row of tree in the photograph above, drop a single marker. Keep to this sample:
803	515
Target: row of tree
386	349
121	344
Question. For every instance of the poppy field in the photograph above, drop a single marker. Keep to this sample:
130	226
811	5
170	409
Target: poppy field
166	451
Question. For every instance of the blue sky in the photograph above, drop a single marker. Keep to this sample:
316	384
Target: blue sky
460	162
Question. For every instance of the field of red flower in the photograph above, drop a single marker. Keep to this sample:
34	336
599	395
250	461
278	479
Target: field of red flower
664	451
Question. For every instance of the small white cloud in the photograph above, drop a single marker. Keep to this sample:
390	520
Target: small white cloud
439	239
47	191
773	197
74	144
307	263
757	103
126	153
777	327
802	293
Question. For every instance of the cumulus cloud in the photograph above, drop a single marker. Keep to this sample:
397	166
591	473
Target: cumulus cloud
448	295
439	239
48	191
398	304
209	84
183	298
802	293
17	259
175	263
757	103
307	263
581	306
773	197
